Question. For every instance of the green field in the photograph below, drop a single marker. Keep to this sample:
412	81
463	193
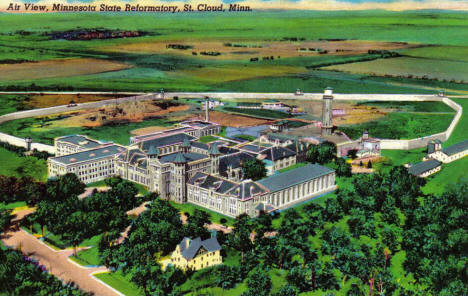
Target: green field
457	170
409	67
172	70
410	106
18	166
399	125
119	282
39	131
215	216
259	113
449	53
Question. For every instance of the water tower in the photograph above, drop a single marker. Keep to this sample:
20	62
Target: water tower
327	112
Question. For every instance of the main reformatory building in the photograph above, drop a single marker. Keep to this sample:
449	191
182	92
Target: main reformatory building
179	167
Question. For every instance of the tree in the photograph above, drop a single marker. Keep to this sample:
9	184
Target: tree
342	168
258	282
5	218
323	153
287	290
196	224
352	153
333	211
74	232
123	193
64	187
228	276
240	237
254	169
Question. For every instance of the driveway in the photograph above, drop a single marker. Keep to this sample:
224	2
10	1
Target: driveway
56	262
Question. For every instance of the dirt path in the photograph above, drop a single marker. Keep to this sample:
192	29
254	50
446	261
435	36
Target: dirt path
56	262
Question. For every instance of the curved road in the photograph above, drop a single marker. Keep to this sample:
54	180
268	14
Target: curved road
56	262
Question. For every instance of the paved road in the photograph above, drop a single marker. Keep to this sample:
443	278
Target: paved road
56	262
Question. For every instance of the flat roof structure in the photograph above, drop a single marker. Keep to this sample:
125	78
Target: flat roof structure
424	166
292	177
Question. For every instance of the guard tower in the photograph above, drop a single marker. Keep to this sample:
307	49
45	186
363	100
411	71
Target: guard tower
327	124
28	141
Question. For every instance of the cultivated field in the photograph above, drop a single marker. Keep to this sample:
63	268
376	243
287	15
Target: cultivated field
57	68
185	53
226	119
247	49
44	101
408	67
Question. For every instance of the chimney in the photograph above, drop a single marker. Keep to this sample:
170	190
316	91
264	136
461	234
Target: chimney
187	243
207	109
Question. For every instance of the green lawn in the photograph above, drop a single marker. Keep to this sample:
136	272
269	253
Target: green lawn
460	132
260	113
400	157
215	217
410	106
297	165
39	129
141	189
89	256
400	125
18	166
207	139
12	205
245	137
119	282
450	173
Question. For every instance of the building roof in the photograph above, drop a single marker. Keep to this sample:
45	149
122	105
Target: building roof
253	148
424	166
233	160
277	153
201	145
295	176
281	137
297	146
435	141
188	157
214	149
180	158
101	152
186	143
246	190
164	141
267	208
153	150
210	182
457	148
80	140
227	150
211	245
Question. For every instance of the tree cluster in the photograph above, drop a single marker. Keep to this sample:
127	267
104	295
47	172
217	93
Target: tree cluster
14	189
63	213
254	169
155	233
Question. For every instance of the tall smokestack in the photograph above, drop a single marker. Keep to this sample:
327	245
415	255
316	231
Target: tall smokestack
207	109
327	124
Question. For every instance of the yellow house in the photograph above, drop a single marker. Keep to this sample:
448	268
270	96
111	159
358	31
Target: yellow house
196	254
